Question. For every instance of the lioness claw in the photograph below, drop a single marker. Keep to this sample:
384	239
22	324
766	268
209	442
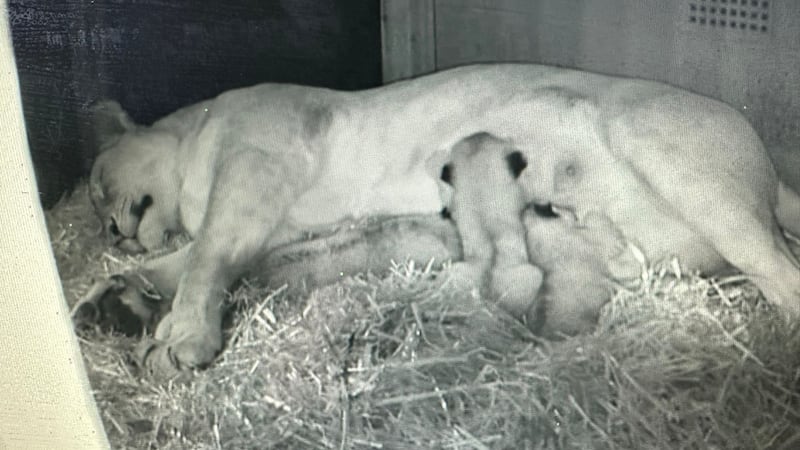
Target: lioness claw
156	358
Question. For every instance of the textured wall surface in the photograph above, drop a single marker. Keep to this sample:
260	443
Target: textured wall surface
155	56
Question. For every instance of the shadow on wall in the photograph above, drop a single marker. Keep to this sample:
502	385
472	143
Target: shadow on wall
155	56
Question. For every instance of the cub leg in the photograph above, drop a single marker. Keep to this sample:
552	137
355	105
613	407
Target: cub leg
476	247
577	258
515	281
243	212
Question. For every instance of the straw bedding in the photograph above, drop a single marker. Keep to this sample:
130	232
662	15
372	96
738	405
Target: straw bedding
401	362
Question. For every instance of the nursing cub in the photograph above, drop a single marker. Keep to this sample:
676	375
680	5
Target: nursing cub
501	237
496	241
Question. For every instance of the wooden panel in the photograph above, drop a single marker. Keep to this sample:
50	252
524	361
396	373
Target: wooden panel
407	28
471	35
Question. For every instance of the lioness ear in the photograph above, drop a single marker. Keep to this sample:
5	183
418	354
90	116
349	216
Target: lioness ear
110	122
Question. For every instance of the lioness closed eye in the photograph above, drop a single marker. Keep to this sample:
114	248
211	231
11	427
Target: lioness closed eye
255	168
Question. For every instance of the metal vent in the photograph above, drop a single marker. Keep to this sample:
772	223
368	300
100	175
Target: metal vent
742	15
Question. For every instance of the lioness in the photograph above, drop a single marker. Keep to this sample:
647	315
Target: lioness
251	170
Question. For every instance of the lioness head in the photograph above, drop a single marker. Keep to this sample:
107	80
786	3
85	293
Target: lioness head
132	185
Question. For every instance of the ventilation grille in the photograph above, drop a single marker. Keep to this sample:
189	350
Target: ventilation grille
751	16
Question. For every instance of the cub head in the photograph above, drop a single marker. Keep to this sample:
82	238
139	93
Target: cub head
133	184
473	147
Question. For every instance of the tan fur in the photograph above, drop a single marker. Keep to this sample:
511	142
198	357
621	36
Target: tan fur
319	259
254	168
581	264
500	238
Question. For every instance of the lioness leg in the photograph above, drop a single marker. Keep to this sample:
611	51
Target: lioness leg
709	165
756	246
243	213
487	208
743	229
123	302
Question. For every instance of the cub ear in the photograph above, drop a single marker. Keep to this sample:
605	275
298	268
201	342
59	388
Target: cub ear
447	174
109	123
516	163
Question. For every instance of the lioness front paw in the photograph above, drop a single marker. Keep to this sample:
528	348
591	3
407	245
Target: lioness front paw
178	348
516	287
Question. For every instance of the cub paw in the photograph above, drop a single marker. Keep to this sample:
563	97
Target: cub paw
178	348
516	287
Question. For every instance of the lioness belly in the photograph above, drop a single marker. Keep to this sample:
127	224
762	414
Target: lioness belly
342	194
674	238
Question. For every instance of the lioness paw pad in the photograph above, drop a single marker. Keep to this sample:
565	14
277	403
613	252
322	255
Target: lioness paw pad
464	275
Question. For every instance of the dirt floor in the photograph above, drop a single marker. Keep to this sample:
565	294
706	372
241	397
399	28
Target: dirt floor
399	362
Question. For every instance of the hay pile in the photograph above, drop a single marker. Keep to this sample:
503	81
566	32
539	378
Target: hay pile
401	362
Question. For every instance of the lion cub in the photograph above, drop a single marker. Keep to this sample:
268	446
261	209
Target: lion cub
487	207
582	260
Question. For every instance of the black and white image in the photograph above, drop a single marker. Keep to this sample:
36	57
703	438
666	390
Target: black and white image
439	224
